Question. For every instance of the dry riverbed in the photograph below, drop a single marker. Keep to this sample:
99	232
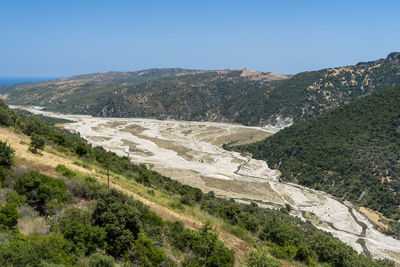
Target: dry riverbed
191	153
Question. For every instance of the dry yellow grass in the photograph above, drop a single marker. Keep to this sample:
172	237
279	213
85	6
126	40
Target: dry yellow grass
46	162
374	217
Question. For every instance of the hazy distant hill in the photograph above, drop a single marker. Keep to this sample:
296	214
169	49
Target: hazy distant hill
160	93
90	87
352	152
243	96
187	97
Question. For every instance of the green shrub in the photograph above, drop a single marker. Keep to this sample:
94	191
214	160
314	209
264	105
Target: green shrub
176	205
9	216
3	174
203	243
37	142
260	258
6	155
5	117
76	227
41	190
34	125
81	148
186	199
119	216
57	137
99	260
287	252
64	171
280	233
145	253
15	198
36	250
221	256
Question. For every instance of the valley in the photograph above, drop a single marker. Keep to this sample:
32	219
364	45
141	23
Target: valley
191	152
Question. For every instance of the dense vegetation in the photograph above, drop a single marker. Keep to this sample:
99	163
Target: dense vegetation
194	96
116	228
352	152
250	98
311	93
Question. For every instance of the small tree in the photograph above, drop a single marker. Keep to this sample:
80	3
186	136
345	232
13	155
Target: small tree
6	155
37	142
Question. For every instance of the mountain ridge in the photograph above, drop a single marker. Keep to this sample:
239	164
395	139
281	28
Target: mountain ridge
238	96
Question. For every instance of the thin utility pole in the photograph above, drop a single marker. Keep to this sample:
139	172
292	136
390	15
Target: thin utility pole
108	173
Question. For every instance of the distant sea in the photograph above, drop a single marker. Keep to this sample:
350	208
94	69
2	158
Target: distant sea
15	80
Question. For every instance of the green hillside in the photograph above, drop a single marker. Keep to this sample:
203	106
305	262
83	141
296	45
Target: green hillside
54	215
88	90
311	93
352	152
241	96
187	97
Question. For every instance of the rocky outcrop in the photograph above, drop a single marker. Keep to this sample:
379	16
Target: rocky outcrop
395	56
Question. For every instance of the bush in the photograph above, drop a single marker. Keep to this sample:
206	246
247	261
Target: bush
14	198
186	199
260	258
280	233
6	155
76	227
57	137
221	256
41	190
6	115
99	260
36	250
287	252
144	252
203	243
87	188
3	175
34	125
8	216
37	142
64	171
119	216
81	148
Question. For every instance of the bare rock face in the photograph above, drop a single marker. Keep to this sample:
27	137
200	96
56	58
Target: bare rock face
395	56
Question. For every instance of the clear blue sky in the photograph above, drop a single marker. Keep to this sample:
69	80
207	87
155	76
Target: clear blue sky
62	38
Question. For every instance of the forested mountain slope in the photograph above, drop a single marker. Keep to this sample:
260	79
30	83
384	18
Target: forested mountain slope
88	89
187	97
352	152
311	93
243	96
196	95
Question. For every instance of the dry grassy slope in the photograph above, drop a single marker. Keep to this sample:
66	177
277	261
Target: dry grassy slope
46	163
